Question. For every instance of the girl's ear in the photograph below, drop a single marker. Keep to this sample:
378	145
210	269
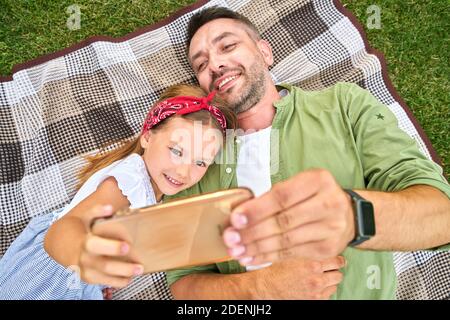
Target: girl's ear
145	139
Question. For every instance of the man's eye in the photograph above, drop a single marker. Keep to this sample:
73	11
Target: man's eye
201	66
229	47
176	152
201	163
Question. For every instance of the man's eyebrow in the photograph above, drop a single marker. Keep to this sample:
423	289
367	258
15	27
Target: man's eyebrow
221	36
214	41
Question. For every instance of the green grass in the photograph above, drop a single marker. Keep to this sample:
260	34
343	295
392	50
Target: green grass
31	28
413	37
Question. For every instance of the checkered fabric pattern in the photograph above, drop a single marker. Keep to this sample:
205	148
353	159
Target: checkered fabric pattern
63	106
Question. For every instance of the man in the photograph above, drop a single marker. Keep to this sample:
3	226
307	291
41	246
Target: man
302	217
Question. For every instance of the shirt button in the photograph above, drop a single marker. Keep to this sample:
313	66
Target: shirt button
228	170
238	141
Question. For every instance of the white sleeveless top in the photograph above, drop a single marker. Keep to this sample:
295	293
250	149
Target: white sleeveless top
132	178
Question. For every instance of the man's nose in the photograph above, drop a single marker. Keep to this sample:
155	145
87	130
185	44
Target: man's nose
216	64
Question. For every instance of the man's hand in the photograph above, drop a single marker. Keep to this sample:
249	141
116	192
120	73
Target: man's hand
298	279
307	216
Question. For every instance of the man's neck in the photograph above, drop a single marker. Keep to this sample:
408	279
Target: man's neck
261	115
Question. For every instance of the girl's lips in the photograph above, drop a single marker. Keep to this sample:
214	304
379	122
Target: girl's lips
175	183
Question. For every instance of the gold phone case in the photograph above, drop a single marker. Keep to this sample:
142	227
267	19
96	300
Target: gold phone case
181	233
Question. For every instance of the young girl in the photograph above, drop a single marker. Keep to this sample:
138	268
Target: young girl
172	153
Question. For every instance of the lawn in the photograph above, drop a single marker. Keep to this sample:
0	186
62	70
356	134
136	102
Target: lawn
413	36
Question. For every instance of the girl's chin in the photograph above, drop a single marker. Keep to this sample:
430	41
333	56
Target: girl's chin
170	190
173	192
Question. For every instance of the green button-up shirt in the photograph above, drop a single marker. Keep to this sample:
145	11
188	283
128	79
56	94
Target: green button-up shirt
347	131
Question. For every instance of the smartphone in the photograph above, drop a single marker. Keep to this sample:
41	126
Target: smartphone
181	233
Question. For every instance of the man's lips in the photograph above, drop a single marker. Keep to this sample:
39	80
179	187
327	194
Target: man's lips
173	181
226	81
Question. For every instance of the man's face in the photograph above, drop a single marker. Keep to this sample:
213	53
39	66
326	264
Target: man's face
226	58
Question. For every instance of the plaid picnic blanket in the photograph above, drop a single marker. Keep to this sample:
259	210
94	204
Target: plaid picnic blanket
64	105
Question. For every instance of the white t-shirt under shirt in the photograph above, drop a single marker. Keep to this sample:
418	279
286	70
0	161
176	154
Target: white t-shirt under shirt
253	167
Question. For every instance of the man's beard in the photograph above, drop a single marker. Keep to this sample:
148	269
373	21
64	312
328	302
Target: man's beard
253	90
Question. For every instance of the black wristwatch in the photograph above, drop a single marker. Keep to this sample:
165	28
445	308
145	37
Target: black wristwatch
364	218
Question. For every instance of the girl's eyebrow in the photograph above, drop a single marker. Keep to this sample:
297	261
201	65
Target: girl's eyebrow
175	144
206	161
209	160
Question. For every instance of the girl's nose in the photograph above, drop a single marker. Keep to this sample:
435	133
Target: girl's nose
183	171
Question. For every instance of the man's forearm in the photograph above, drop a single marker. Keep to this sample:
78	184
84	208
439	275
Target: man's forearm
204	286
412	219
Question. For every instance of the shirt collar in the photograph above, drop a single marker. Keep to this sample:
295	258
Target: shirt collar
285	95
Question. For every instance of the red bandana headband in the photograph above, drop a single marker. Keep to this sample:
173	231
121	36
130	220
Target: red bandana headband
182	105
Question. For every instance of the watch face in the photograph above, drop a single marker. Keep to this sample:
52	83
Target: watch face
367	218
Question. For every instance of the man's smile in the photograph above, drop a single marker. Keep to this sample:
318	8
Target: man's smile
226	81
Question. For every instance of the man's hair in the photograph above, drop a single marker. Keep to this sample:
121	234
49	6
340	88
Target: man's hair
212	13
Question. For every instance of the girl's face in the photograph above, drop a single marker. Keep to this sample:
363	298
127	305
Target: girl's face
178	154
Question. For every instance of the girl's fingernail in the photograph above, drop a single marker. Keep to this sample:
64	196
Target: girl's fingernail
237	251
138	270
246	260
108	208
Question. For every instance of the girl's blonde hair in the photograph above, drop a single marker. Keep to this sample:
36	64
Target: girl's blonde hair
104	158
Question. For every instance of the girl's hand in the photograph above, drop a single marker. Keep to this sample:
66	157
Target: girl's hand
108	293
100	258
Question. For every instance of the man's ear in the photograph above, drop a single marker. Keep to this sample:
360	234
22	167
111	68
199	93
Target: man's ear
266	51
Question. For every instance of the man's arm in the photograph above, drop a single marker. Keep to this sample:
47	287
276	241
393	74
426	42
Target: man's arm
412	219
311	216
290	279
200	286
317	221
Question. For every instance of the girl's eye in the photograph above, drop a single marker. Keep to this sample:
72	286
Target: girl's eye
201	163
176	152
